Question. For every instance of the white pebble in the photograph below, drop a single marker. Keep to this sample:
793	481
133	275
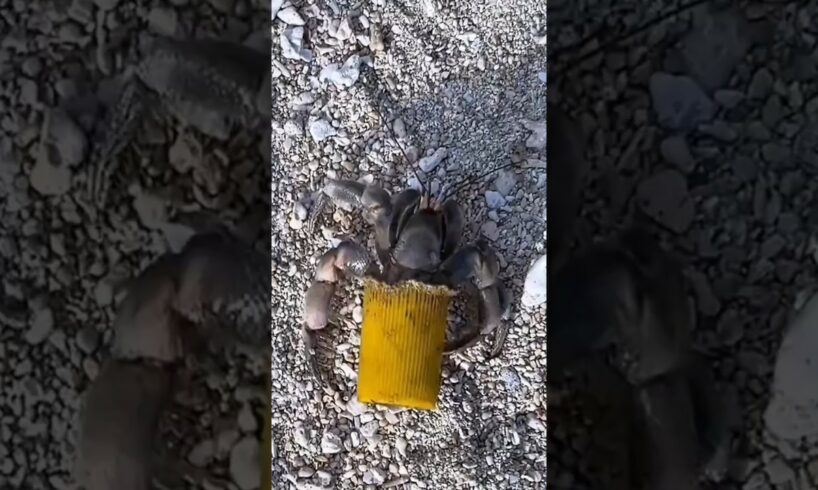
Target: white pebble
290	16
495	200
427	164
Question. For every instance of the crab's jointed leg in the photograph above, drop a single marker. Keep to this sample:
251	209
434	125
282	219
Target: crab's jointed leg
479	264
117	130
347	258
375	203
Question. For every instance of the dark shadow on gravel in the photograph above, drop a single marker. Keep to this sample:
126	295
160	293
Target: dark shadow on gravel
688	138
117	366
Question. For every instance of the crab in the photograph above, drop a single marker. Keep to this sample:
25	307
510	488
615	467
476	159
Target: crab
180	304
417	238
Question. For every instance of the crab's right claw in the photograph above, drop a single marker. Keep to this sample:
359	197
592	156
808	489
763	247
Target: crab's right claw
479	264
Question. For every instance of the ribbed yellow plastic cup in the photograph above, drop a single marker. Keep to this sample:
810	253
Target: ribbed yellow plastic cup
402	339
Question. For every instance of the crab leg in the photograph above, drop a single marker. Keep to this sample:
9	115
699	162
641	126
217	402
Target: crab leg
347	258
375	202
479	264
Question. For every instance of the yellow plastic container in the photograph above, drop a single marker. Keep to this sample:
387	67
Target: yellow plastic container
402	339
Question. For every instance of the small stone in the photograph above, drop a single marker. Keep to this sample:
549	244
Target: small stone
106	4
427	164
223	6
296	224
302	102
331	443
729	99
42	324
247	420
290	16
792	413
225	441
185	153
370	429
536	282
103	293
399	127
664	198
358	314
773	246
374	476
293	129
376	38
321	129
244	464
291	41
772	112
490	230
355	407
779	472
342	76
400	446
538	136
300	436
676	152
495	200
50	180
163	21
776	154
730	327
202	453
505	182
65	142
716	43
719	130
342	31
761	85
87	339
679	102
151	209
391	417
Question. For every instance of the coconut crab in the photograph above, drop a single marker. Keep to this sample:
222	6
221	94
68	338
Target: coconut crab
179	305
417	239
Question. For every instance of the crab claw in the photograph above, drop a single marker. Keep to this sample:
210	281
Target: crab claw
347	258
479	264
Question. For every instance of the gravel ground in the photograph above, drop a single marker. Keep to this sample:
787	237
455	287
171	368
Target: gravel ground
703	126
62	273
467	77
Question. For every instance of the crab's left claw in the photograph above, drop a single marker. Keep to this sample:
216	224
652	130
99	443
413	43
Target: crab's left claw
479	264
348	258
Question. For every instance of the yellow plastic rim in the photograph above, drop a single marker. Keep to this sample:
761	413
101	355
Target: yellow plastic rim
402	339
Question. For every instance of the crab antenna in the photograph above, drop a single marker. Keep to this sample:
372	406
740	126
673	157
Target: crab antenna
424	191
471	179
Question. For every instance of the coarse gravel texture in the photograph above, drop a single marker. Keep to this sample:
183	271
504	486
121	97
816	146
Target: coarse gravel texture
708	135
62	274
465	76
